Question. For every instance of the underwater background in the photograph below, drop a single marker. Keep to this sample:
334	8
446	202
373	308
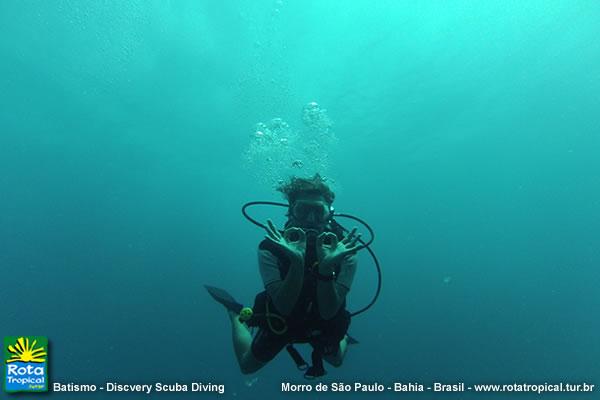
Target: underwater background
466	133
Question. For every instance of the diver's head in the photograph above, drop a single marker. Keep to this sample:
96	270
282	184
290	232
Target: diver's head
310	212
309	203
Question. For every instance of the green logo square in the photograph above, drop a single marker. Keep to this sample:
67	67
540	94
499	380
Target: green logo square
25	364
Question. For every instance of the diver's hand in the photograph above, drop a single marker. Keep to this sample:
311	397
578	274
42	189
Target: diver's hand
330	251
292	242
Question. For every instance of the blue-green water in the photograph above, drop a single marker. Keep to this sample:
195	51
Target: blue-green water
466	133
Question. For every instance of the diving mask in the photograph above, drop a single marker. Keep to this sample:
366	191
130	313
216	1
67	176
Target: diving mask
311	211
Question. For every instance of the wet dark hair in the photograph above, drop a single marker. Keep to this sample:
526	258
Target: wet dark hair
298	186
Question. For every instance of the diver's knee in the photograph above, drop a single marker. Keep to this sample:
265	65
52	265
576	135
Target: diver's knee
334	361
337	363
248	369
250	365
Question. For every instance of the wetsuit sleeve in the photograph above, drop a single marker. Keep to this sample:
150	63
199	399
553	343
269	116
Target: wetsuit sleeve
347	271
269	267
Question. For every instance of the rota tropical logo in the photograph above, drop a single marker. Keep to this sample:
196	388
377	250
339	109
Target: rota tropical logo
26	364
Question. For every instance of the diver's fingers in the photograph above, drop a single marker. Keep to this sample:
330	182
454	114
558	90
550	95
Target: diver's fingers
269	232
302	236
273	240
320	239
328	238
334	240
354	241
351	248
350	235
268	225
273	230
293	234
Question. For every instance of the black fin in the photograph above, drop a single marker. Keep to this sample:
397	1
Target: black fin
351	340
224	298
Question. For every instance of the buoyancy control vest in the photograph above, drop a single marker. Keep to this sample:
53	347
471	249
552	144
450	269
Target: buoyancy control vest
304	324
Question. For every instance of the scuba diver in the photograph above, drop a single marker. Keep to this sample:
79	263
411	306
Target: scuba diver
307	270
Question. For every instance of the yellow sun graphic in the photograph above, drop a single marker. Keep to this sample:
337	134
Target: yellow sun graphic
22	351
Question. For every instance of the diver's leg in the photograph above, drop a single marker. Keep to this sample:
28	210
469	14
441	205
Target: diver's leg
242	344
337	358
